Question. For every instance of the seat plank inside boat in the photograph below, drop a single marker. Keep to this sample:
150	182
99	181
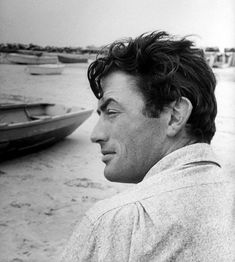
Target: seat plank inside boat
40	117
28	113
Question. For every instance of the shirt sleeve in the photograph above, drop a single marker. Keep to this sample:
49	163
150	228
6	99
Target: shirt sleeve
107	239
78	242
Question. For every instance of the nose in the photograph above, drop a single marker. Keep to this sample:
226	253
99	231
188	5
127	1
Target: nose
99	132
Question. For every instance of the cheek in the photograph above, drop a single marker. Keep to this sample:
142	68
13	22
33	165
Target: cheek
132	141
145	139
135	137
124	136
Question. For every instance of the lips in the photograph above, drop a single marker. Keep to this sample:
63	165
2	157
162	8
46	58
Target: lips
105	152
107	155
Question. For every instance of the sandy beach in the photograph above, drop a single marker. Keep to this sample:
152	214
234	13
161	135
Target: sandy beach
44	194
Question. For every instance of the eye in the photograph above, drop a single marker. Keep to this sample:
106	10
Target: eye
111	112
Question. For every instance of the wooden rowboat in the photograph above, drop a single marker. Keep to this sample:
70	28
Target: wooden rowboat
31	59
72	58
50	69
25	128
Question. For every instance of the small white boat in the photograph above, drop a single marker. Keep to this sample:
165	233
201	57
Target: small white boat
31	59
50	69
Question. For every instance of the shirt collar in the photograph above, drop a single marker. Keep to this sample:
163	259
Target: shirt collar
199	152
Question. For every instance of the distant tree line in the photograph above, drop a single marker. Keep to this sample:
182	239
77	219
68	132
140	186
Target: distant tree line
15	47
91	49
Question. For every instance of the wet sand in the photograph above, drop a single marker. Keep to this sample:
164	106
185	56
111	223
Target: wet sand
44	194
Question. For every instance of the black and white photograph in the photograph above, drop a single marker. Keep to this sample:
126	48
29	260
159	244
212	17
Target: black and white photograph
117	131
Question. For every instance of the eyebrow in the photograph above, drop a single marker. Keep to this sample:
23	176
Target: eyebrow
104	105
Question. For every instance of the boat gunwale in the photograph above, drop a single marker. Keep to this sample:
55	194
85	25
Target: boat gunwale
23	105
44	120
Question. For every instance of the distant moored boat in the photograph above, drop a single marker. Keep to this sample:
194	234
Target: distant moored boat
72	58
48	69
31	59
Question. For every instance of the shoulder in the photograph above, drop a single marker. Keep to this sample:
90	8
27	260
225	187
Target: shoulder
122	204
180	192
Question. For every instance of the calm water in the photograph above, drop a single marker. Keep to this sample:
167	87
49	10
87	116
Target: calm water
70	88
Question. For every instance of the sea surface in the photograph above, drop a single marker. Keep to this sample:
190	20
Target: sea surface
69	88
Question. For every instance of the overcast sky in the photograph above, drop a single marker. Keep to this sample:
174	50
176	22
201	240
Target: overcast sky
98	22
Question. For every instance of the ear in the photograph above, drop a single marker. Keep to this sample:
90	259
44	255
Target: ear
180	113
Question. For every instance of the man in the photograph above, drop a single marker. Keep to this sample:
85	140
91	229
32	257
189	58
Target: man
157	110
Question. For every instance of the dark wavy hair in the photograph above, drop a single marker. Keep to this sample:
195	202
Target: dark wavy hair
166	69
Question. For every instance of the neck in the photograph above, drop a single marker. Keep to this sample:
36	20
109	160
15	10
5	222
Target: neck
184	141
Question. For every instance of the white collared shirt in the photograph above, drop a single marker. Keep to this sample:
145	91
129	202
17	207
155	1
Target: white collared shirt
182	211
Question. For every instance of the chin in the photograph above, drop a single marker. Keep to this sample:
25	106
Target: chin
121	177
112	177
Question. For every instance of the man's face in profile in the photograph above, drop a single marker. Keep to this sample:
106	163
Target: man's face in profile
131	143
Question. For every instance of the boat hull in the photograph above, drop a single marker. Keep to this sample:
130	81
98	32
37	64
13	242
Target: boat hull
31	59
23	138
45	69
71	59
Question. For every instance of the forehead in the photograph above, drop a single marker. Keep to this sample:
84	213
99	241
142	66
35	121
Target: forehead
121	87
